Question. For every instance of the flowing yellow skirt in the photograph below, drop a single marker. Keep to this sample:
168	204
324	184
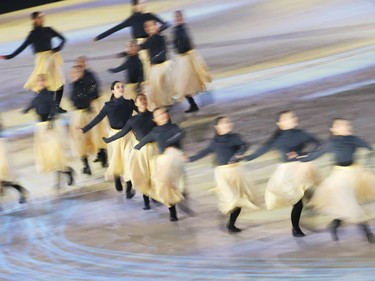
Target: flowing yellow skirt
342	193
232	188
100	130
48	63
83	144
161	88
169	177
5	168
142	168
288	183
119	156
190	74
48	149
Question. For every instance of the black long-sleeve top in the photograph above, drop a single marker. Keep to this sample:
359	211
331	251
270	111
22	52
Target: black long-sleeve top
225	148
136	22
44	104
181	41
91	79
118	112
285	141
84	90
156	44
168	135
141	124
342	147
135	69
41	40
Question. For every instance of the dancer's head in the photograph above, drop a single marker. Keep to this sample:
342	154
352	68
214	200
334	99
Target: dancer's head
117	89
76	72
81	61
341	127
151	27
37	18
141	102
132	48
161	116
138	5
179	17
41	81
223	125
286	120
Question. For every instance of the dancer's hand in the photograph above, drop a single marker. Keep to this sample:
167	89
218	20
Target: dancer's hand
79	128
2	57
292	155
185	158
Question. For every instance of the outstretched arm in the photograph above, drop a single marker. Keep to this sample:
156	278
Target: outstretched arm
163	24
204	152
122	67
317	153
19	49
95	121
126	129
112	30
150	137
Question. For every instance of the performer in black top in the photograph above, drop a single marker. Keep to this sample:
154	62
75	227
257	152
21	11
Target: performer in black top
141	162
233	190
118	111
49	150
291	179
349	185
169	172
6	175
136	22
191	73
161	85
134	68
96	105
47	58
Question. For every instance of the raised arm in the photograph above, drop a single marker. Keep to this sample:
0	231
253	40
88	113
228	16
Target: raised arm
96	120
124	24
26	43
126	129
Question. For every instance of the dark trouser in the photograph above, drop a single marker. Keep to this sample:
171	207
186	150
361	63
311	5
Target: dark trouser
296	214
173	212
233	217
192	102
59	94
146	200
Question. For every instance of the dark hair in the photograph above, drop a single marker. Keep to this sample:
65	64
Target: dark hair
179	12
159	108
138	95
34	15
114	83
135	2
218	119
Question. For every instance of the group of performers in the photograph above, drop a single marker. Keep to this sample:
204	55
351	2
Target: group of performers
143	147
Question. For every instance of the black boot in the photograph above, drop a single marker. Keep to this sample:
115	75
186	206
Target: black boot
146	201
103	157
86	168
58	97
295	217
69	172
22	191
334	225
366	230
193	105
173	213
232	220
118	184
130	192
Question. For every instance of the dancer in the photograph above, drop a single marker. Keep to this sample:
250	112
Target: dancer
141	161
96	104
161	84
118	110
47	58
49	152
83	91
233	190
6	175
291	179
134	68
136	22
349	185
169	176
191	73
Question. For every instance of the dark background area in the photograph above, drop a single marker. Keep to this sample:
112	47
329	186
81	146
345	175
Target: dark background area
7	6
